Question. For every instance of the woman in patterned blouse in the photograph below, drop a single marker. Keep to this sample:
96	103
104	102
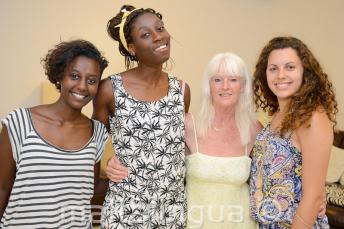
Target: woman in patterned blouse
291	154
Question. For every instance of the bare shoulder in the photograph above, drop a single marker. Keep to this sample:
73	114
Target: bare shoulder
319	121
105	92
318	131
105	86
320	115
104	102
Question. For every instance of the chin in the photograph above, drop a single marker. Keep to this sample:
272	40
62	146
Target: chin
165	57
78	106
164	60
283	94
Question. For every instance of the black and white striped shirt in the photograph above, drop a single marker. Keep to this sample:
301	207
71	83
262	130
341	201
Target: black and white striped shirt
53	187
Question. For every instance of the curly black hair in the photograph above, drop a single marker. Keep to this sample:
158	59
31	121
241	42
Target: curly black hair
58	58
113	31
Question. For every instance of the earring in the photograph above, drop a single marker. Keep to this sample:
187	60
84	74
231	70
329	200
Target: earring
58	83
132	53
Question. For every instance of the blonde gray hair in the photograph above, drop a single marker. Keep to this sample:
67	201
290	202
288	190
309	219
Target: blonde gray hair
244	111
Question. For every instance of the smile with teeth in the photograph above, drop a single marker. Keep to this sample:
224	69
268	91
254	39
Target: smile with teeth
162	47
78	96
282	85
225	94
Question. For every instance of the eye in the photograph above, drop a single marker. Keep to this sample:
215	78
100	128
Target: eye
161	28
145	35
92	81
272	69
290	67
74	76
233	79
217	80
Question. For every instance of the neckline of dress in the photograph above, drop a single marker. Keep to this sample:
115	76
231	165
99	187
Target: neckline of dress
212	156
55	146
144	101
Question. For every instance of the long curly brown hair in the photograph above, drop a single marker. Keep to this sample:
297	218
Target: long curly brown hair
316	90
113	31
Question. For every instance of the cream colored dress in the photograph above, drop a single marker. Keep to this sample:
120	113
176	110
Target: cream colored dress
217	192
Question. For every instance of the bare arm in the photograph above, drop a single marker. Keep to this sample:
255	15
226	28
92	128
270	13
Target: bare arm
187	97
315	141
100	185
103	107
7	169
104	103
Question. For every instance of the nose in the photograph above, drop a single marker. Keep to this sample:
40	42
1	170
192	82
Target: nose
225	84
281	74
157	36
82	85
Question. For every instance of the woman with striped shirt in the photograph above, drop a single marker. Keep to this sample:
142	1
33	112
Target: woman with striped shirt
49	154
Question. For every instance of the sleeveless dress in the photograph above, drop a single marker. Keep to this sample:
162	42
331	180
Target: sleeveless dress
275	182
148	138
53	187
217	192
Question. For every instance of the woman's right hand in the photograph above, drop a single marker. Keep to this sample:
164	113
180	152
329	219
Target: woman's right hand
115	171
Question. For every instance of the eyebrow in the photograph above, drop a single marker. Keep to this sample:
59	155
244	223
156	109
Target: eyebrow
291	62
157	22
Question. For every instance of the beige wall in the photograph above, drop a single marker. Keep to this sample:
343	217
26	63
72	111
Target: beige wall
200	28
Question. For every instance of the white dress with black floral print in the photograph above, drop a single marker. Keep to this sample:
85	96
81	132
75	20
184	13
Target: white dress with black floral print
148	138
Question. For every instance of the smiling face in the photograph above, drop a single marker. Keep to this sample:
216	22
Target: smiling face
225	88
80	82
151	41
284	73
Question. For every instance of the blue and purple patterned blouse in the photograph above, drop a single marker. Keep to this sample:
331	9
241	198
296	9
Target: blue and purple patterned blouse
275	181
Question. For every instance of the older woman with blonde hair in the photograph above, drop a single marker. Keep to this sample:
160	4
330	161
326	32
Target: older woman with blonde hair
220	142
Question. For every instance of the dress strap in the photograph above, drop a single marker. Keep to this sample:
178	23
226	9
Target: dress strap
194	130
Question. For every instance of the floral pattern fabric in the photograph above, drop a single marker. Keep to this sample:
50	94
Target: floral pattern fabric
148	138
275	181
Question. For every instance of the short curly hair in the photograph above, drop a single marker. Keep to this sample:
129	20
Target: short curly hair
316	90
113	31
58	58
